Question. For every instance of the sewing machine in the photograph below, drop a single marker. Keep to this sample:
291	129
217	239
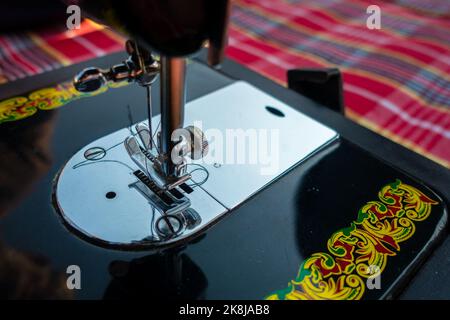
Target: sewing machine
143	187
324	196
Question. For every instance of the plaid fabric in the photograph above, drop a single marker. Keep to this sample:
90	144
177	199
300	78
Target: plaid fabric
26	54
396	79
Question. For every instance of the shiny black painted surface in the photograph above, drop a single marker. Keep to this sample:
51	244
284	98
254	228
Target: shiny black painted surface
249	254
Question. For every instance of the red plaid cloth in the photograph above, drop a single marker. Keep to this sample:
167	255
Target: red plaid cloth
26	54
396	79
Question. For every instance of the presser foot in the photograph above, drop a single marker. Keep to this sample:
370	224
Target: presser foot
122	200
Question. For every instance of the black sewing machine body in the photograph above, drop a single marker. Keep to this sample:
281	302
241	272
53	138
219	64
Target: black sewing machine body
360	200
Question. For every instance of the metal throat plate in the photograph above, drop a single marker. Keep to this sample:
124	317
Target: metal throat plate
254	138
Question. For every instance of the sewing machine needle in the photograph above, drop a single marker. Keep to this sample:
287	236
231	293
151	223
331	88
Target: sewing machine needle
150	112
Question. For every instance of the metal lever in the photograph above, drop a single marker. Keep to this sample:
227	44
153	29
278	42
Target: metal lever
140	67
89	80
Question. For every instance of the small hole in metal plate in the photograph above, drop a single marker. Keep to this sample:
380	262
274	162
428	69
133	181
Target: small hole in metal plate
95	153
110	195
275	111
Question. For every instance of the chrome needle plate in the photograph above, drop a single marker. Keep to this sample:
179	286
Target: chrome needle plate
98	199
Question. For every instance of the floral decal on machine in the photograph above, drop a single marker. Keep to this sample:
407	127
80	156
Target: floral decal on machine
21	107
376	234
